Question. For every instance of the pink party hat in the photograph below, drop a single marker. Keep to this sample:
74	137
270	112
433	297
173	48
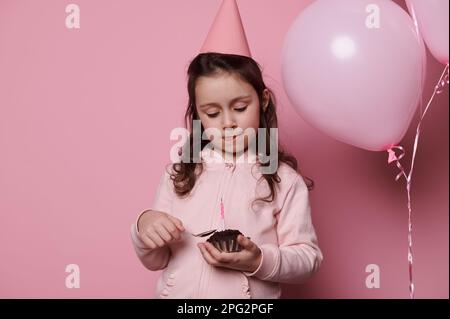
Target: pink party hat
227	33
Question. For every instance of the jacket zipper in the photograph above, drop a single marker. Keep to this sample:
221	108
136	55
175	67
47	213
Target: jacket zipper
202	272
223	188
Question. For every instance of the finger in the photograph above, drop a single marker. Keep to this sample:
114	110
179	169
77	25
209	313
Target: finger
246	243
163	233
177	222
148	242
218	255
171	228
207	256
156	238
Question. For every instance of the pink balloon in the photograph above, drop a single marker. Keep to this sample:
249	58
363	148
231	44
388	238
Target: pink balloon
432	18
355	75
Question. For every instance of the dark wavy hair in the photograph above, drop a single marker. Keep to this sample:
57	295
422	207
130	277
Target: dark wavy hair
185	173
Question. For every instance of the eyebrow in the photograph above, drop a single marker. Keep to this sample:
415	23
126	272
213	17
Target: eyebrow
232	101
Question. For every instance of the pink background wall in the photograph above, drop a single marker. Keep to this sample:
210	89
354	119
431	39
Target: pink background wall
85	117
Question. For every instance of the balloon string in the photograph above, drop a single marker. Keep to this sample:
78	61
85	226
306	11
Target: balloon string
438	89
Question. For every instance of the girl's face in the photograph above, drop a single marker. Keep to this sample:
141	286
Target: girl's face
227	103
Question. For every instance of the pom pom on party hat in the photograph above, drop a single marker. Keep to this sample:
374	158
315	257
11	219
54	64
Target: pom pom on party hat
227	33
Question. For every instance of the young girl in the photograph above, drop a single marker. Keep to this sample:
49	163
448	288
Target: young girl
227	92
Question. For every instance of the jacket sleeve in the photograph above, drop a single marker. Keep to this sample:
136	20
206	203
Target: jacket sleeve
158	258
297	255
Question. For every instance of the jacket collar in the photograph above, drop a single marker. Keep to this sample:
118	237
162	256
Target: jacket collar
214	158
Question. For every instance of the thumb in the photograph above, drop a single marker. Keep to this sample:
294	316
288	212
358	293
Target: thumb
177	222
245	242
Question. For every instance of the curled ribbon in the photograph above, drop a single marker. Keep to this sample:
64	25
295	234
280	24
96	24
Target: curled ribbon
393	157
439	88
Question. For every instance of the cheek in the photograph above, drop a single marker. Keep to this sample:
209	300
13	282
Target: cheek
250	119
206	121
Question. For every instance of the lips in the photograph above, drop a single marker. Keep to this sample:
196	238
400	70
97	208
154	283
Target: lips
230	138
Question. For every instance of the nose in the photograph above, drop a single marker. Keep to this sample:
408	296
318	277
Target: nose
228	121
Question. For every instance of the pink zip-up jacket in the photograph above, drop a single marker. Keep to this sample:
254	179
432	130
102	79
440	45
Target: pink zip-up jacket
282	229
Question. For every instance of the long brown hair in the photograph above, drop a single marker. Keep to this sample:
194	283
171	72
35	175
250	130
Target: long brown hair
185	173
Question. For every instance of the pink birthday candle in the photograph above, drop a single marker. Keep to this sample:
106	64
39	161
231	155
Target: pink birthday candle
222	214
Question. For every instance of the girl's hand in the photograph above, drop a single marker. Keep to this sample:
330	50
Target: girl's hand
247	259
158	229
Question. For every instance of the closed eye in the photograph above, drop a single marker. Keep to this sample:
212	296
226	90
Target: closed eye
212	115
242	109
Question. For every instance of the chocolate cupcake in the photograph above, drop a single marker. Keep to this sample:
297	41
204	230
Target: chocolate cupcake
226	240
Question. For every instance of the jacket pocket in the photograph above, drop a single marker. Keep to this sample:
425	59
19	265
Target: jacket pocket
166	285
226	283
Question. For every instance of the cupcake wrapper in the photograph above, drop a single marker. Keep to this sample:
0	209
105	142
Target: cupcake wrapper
228	246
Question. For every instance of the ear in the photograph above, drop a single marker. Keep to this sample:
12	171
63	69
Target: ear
266	99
